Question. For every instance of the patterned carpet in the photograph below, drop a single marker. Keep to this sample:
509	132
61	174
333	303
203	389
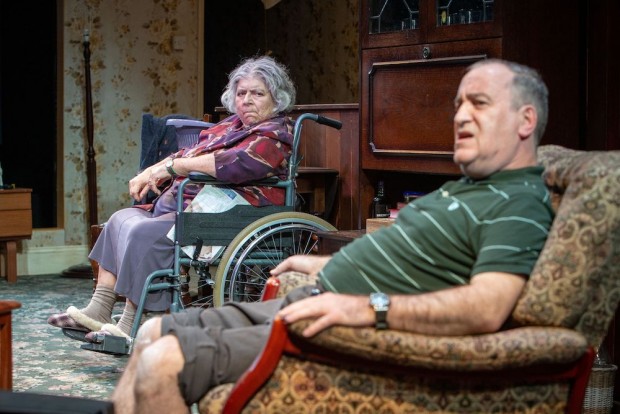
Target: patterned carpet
44	360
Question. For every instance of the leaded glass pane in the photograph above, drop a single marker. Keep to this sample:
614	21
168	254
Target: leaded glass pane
393	15
451	12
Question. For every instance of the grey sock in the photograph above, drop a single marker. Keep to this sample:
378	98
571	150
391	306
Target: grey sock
127	318
101	304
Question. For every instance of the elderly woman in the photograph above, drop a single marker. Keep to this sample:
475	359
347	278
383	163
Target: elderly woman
252	144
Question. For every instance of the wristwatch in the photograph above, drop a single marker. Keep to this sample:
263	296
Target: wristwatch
380	302
169	164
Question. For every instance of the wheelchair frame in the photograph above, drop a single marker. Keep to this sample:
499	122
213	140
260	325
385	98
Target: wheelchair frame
256	240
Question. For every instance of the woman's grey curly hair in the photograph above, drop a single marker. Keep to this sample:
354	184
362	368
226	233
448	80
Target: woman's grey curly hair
275	76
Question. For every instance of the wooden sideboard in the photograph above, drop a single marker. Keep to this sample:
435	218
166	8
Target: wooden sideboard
15	224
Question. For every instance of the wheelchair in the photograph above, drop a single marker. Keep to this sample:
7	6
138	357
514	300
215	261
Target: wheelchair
254	241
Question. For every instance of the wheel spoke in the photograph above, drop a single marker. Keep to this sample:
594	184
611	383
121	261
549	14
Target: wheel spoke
247	261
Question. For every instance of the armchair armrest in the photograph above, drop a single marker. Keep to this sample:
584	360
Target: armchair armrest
512	349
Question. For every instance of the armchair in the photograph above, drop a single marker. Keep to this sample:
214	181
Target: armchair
540	364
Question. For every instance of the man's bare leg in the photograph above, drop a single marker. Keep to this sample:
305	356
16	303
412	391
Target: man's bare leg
149	383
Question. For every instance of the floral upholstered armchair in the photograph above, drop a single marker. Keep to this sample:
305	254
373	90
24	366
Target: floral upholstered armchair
541	364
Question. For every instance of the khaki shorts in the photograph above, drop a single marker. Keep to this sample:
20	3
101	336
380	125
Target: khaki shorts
219	344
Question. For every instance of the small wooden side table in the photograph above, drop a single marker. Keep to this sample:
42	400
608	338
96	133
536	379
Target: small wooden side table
331	241
15	224
6	350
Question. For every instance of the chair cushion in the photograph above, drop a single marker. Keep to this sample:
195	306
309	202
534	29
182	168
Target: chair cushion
214	400
574	283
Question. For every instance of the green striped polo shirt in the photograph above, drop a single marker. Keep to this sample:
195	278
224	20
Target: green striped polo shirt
441	240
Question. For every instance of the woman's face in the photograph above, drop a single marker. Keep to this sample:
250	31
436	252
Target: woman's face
253	102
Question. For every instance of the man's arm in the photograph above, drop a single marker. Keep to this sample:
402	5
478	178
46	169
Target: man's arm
480	307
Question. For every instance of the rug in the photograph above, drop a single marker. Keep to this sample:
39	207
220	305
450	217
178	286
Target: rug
44	360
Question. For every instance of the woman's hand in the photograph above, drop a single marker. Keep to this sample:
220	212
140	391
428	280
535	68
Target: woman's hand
149	179
138	183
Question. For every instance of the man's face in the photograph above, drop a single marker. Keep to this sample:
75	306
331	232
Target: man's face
486	126
253	101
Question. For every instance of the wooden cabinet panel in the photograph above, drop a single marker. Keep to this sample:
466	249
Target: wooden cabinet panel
408	103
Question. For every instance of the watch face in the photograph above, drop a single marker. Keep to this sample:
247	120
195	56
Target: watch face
379	300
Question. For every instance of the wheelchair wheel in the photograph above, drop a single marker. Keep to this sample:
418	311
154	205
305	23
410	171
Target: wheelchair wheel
258	248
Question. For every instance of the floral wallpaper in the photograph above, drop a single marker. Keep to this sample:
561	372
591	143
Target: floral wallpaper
318	40
144	58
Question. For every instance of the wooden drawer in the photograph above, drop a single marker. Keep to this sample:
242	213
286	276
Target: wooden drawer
15	223
15	214
14	200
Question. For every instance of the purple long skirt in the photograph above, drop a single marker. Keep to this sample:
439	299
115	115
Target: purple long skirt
133	244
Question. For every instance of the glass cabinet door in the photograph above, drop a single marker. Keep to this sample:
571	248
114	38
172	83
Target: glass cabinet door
451	12
387	23
464	19
393	15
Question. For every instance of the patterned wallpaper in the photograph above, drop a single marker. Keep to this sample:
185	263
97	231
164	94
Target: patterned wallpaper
134	69
318	40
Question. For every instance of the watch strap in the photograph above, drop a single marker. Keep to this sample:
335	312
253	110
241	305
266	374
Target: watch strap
169	168
380	302
381	319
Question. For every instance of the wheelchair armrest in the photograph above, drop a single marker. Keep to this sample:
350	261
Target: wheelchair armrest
203	178
200	177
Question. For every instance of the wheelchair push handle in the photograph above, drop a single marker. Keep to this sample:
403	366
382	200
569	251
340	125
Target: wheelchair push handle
317	118
328	121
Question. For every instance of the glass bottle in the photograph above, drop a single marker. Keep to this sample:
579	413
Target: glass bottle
380	208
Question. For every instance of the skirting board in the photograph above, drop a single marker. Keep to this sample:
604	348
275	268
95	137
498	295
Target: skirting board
54	259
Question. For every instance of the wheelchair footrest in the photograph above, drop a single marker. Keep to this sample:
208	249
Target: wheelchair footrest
76	334
109	344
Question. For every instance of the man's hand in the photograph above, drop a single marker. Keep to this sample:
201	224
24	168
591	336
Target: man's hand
477	308
330	309
310	265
